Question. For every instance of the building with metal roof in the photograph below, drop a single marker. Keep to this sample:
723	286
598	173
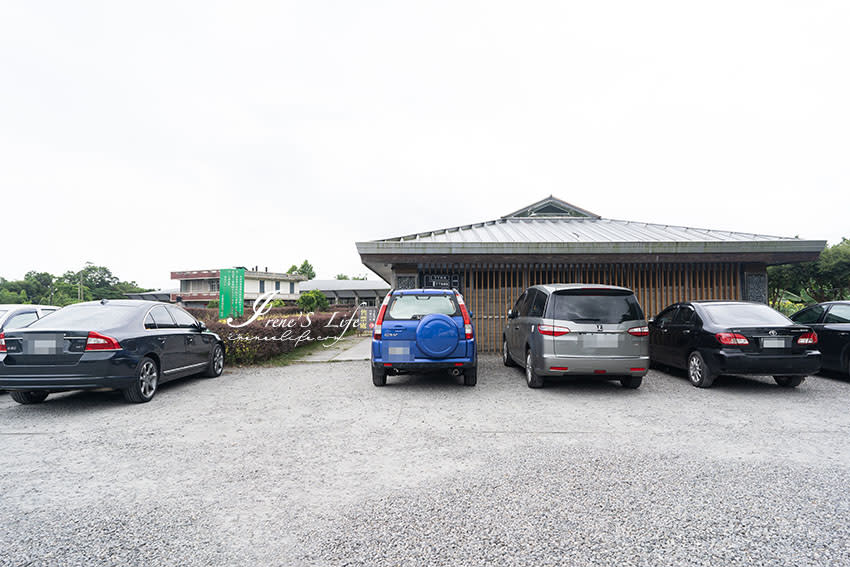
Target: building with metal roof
552	241
351	292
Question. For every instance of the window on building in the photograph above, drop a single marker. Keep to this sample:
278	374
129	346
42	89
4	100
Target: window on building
213	285
291	287
277	286
262	286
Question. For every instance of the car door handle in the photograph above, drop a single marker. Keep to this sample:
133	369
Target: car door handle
162	339
686	331
190	339
665	330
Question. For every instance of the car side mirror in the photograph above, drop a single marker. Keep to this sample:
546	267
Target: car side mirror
201	326
511	314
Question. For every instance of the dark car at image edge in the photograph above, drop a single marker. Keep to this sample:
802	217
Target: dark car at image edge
127	345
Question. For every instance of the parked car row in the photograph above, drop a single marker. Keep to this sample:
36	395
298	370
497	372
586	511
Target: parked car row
128	345
600	330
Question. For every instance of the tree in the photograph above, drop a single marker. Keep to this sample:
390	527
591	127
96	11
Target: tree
825	279
312	300
342	277
307	270
42	287
293	269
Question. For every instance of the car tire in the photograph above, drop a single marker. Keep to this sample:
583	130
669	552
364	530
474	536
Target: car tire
27	398
144	387
506	354
631	382
379	376
789	381
216	364
699	373
470	376
531	377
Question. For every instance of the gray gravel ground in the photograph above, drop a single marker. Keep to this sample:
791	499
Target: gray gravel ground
312	465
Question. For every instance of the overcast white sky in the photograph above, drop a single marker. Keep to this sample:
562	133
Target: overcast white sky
154	136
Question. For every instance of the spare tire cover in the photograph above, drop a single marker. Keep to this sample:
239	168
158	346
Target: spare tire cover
437	335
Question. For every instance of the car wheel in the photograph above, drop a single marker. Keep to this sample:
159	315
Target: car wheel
632	382
470	376
531	377
147	381
379	376
28	398
789	381
699	373
216	365
506	355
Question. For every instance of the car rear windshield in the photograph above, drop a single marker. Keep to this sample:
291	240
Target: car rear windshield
744	315
2	313
416	306
87	317
595	306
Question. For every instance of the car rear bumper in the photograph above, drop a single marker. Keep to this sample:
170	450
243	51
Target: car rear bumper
103	370
732	362
553	365
425	366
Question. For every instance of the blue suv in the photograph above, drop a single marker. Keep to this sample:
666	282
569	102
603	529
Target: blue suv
423	330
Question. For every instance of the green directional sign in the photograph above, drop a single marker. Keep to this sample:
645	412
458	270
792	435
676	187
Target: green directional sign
231	293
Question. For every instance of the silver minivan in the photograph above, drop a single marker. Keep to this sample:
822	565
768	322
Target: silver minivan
577	330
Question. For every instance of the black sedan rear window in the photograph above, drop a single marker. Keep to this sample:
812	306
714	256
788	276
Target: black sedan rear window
744	315
416	306
88	317
595	306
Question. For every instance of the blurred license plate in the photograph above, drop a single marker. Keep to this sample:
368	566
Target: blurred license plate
773	343
399	351
602	340
46	346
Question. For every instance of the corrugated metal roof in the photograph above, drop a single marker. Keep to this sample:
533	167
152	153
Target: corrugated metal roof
345	285
517	230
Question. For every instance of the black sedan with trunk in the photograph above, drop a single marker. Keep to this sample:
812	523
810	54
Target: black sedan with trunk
128	345
709	338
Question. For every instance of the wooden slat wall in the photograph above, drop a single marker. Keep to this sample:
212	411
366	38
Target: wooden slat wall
491	290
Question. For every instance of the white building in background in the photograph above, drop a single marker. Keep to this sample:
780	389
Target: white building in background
199	287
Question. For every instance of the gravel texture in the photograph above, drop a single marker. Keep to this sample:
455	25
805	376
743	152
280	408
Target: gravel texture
312	465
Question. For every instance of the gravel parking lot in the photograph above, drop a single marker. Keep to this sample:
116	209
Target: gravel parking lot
312	465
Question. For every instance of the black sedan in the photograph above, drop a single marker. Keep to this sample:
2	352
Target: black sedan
831	321
132	346
709	338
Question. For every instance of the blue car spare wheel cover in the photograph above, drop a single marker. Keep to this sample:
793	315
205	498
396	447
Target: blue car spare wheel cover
437	335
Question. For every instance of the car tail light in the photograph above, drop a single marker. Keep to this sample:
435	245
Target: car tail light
2	342
731	339
380	320
96	341
561	368
467	324
810	338
636	369
639	331
552	330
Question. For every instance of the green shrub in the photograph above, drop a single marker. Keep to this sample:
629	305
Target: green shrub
313	300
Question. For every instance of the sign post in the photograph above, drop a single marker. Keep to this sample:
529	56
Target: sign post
231	293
